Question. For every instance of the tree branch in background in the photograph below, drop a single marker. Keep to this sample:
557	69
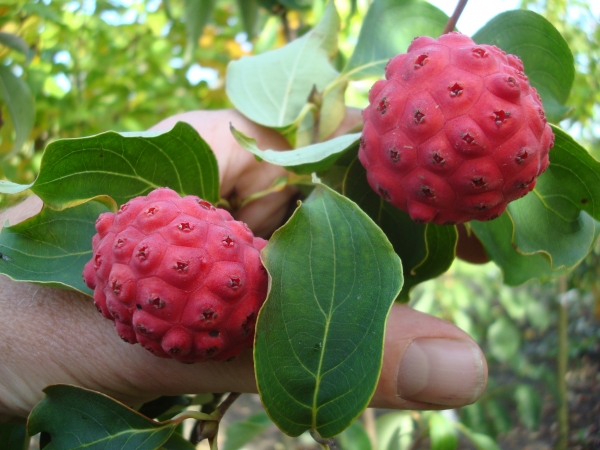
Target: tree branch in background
451	24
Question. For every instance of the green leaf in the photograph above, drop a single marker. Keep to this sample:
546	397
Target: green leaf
529	406
20	104
297	4
43	11
8	187
319	338
51	247
79	418
109	164
249	14
481	441
497	238
272	88
548	61
309	159
442	433
387	30
394	430
197	15
13	41
504	339
354	437
426	251
240	433
13	437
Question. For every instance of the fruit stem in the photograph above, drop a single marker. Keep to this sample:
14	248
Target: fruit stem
451	24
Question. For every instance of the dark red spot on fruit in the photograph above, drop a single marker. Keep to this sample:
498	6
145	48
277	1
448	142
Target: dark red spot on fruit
421	61
208	315
204	204
120	243
384	193
383	105
481	207
455	90
151	211
500	116
181	266
227	241
156	302
468	138
174	350
525	184
142	329
142	253
116	287
97	260
419	116
426	191
394	154
521	156
184	226
438	159
479	182
211	351
138	306
542	115
234	283
361	142
478	52
511	82
213	333
123	207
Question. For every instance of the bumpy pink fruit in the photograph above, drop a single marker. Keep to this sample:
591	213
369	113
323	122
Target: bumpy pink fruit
455	132
179	276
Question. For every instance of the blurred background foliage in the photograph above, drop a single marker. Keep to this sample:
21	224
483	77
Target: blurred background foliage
76	68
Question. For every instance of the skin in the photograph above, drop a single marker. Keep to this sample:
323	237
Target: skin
56	336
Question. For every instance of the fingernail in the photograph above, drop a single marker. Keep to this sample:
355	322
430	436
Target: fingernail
442	372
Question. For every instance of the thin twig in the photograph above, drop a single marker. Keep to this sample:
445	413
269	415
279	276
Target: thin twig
562	365
326	443
451	24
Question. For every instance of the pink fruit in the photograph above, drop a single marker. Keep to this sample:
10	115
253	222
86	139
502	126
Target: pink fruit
455	132
179	276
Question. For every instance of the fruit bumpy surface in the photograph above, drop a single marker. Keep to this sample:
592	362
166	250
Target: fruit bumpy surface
455	132
179	276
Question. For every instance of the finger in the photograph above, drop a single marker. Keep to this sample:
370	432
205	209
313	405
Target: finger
428	364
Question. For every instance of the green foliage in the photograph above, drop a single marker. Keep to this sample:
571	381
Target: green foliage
52	247
76	417
319	337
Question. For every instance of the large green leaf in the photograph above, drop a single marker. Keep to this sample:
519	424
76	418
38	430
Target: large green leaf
13	41
20	103
8	187
309	159
426	251
548	61
319	339
273	88
249	13
51	247
78	418
387	30
110	164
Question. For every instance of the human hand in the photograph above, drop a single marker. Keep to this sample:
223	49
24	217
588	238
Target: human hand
53	336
